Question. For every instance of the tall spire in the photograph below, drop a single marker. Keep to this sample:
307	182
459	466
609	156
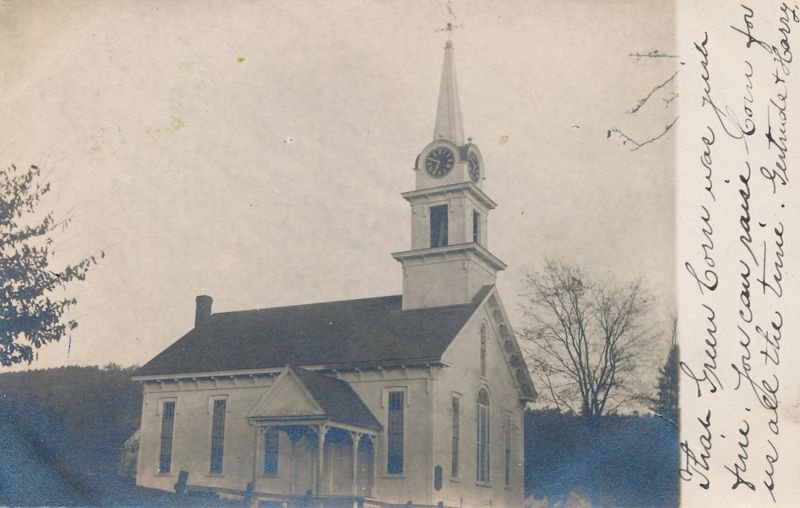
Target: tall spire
448	112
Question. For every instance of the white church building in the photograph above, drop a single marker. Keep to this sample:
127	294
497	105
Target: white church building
415	399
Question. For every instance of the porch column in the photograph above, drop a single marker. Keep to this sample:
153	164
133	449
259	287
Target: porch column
259	443
322	430
374	464
294	437
258	452
356	437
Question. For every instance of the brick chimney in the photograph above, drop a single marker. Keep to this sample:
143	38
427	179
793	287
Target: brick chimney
203	309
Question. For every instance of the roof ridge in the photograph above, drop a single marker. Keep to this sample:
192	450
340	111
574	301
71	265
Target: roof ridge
316	373
301	305
311	304
479	297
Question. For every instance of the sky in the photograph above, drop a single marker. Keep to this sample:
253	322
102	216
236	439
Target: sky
255	151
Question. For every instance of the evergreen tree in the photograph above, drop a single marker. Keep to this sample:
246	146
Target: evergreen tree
666	403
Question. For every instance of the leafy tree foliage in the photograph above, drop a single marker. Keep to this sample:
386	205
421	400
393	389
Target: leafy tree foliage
31	306
589	339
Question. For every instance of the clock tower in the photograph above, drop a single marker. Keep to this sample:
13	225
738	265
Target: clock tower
449	261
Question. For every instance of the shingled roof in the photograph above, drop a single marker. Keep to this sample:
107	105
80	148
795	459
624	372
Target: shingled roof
337	399
352	333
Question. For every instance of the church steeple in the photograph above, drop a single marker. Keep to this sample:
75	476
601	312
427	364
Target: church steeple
449	261
448	111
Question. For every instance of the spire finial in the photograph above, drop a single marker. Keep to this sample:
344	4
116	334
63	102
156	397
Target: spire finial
450	26
448	111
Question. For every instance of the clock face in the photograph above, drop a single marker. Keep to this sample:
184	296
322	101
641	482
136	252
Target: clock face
440	161
474	167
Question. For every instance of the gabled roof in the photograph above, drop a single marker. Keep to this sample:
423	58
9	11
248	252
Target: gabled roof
337	399
352	333
511	350
330	399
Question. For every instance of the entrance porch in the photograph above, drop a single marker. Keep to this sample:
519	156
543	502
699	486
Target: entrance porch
324	460
314	443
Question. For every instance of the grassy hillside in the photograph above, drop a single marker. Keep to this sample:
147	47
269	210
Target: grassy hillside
82	413
613	461
63	429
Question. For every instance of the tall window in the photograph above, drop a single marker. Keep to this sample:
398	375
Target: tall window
394	431
483	437
218	436
456	436
438	226
271	438
167	427
507	449
483	350
476	226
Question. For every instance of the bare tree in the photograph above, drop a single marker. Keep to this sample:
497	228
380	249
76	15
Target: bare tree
588	339
636	137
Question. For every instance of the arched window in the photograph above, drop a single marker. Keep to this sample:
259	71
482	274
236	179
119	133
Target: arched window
483	350
483	436
507	449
